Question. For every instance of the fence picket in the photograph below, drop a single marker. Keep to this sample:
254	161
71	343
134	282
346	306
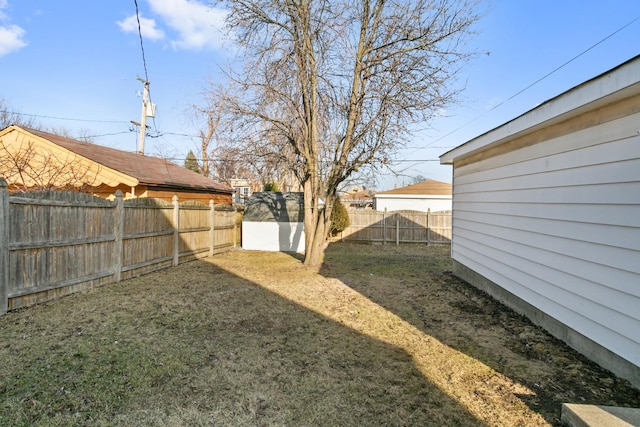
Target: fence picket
401	227
56	243
4	246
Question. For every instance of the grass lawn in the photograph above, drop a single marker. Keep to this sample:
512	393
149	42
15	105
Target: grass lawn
382	335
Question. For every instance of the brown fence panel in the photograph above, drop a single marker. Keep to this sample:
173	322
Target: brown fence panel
225	229
148	234
365	225
195	226
56	243
59	243
440	227
398	227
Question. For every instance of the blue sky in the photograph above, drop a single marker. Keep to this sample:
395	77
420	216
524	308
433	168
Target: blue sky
74	64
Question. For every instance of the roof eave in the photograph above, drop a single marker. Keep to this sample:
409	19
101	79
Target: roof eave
413	196
613	85
183	187
105	174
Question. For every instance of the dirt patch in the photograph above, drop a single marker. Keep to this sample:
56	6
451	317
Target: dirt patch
381	336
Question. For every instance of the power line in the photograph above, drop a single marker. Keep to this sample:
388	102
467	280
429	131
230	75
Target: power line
107	134
65	118
532	84
43	116
144	61
215	159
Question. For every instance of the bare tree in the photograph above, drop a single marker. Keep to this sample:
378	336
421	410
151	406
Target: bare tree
10	117
342	81
82	134
213	116
227	151
27	168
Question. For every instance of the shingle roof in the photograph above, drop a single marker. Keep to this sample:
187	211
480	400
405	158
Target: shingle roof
429	186
148	170
362	195
274	207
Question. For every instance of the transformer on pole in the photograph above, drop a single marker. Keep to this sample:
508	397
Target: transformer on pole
148	110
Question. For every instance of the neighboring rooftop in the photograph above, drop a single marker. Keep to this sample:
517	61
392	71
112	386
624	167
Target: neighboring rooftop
146	169
430	186
274	207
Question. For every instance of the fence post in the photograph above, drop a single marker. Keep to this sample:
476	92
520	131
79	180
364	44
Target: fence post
397	229
118	232
429	227
384	227
4	246
235	231
212	223
176	230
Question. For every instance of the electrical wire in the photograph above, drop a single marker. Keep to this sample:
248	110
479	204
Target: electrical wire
530	85
214	159
64	118
144	61
107	134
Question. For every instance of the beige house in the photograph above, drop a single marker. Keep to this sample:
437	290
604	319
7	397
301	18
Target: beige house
426	195
358	198
34	159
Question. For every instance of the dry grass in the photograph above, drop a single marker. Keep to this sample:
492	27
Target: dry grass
381	336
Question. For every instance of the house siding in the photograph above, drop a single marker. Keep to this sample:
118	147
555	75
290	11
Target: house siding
556	222
416	204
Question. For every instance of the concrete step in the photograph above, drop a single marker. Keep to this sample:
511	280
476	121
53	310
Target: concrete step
599	416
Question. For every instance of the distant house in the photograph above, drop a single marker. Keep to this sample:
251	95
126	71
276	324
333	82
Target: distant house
546	216
358	198
243	189
274	222
32	158
425	195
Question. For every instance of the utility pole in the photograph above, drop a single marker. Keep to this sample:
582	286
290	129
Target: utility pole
148	109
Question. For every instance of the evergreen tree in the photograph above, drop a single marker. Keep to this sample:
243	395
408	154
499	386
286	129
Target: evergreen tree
270	186
339	218
191	163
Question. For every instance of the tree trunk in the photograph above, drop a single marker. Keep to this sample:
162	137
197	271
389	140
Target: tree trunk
317	226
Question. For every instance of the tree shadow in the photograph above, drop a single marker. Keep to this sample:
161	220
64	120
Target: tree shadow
273	221
414	282
203	343
368	226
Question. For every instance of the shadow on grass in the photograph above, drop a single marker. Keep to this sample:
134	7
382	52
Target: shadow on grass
415	283
201	344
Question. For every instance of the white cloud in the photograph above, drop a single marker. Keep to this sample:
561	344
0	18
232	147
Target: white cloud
11	39
199	26
11	36
147	27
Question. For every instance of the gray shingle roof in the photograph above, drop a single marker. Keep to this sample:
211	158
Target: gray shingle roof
274	207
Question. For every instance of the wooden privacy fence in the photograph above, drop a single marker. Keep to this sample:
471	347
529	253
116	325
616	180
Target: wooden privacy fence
56	243
398	227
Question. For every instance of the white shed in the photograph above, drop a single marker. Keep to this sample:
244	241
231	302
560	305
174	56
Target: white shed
274	222
546	216
425	195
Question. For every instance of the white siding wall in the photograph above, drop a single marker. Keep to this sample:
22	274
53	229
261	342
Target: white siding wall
273	236
414	204
558	225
